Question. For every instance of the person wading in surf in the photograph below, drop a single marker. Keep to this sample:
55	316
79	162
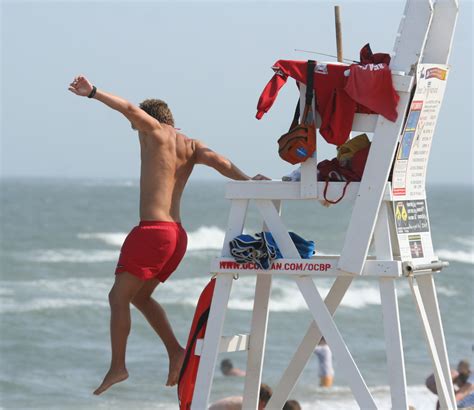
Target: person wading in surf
152	250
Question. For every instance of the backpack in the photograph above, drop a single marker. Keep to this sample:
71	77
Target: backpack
299	143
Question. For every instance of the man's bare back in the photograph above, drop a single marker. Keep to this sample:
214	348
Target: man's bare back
167	160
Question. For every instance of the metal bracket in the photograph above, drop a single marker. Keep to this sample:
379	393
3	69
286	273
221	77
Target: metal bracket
409	269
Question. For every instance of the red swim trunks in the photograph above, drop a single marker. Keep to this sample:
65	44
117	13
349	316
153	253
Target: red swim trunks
153	250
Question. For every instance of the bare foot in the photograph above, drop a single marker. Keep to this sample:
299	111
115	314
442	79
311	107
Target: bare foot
176	362
110	379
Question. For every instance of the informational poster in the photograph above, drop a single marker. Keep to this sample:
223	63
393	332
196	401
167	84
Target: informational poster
413	230
409	171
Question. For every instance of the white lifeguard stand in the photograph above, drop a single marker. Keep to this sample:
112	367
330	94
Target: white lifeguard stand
391	214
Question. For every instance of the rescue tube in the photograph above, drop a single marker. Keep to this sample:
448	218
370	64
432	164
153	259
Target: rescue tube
188	374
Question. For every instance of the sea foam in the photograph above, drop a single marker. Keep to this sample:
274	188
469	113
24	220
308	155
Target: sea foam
39	304
22	296
185	292
341	398
109	238
456	256
204	238
212	238
464	251
72	256
286	297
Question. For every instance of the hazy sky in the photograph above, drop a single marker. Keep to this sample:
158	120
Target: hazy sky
209	61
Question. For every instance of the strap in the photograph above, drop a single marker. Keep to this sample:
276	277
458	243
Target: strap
93	91
199	325
310	81
309	88
296	117
309	95
337	200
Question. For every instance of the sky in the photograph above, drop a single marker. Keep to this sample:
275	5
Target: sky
209	61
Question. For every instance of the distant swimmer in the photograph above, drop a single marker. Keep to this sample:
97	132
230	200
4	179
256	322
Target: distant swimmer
152	250
463	383
228	369
326	369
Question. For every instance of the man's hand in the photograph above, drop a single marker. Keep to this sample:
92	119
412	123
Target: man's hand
80	86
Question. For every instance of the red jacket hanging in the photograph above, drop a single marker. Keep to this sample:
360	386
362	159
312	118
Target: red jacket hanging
337	96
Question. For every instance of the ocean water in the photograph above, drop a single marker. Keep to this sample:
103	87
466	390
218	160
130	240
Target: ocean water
59	244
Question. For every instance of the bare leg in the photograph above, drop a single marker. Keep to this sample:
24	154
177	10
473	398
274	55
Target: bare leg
125	288
158	320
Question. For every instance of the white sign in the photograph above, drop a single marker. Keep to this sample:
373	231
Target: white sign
409	171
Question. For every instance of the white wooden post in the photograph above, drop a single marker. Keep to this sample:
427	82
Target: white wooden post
309	182
411	37
427	290
409	46
212	339
440	35
437	50
441	382
391	319
371	190
256	351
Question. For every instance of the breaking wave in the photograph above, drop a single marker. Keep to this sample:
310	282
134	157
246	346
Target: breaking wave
286	297
204	238
456	256
72	256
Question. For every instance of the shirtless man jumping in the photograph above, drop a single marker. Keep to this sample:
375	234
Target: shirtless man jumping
153	250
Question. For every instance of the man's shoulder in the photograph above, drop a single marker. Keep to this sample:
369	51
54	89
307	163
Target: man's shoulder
180	134
182	138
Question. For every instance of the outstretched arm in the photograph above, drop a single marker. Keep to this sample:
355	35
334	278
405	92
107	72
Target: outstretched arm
206	156
140	119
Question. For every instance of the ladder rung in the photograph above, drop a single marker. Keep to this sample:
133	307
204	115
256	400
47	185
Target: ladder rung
228	344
